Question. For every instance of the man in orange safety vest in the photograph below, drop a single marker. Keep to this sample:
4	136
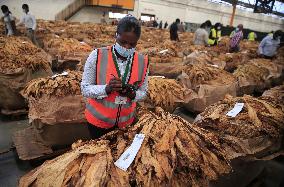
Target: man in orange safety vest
114	79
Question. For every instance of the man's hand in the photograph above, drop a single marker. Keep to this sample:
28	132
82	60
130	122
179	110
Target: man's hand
129	92
115	85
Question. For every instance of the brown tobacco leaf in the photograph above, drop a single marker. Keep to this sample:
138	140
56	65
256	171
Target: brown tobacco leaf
275	95
58	86
258	117
196	74
253	72
166	93
173	152
18	52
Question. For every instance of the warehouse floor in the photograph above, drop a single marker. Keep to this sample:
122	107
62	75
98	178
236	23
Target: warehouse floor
10	168
257	174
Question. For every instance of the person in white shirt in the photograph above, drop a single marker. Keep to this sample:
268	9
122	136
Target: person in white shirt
30	23
10	27
201	36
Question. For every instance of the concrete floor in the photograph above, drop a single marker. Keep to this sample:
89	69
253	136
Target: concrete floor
11	169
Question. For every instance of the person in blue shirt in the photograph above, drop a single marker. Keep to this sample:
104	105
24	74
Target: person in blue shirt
269	45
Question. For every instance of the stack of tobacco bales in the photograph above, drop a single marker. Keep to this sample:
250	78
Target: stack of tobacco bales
67	53
210	84
56	114
257	75
20	62
173	153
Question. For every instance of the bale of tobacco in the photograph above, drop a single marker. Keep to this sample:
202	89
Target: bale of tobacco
56	107
275	95
210	84
166	93
20	62
173	153
256	131
257	75
67	53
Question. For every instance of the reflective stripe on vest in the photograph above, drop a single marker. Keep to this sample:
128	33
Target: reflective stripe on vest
103	69
214	35
103	112
219	34
251	36
106	119
112	105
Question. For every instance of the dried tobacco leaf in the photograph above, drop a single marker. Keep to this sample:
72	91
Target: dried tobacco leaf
18	53
173	153
58	86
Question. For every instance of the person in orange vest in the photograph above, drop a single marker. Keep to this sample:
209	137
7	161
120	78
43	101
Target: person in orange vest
114	79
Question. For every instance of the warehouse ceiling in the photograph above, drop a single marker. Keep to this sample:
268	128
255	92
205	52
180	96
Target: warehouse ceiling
272	7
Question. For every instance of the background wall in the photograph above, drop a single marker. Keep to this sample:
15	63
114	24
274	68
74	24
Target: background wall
198	11
193	11
41	9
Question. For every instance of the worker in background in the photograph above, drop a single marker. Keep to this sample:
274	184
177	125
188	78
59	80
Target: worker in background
269	45
174	30
161	24
30	23
155	23
201	36
9	20
103	19
181	27
114	79
252	36
213	37
208	26
233	32
271	33
166	25
140	21
236	39
219	32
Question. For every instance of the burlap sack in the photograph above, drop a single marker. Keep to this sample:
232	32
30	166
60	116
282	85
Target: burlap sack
263	75
59	121
209	92
169	70
12	83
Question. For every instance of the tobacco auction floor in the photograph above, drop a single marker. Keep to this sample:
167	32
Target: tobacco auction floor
256	174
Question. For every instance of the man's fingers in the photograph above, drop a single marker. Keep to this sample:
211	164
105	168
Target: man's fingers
116	89
117	85
115	82
115	78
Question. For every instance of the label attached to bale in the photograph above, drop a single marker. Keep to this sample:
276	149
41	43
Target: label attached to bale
237	109
61	74
129	155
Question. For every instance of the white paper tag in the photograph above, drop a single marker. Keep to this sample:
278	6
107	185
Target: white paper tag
163	51
237	109
120	100
61	74
214	65
129	155
157	76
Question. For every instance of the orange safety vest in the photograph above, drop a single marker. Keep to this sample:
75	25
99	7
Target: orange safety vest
103	112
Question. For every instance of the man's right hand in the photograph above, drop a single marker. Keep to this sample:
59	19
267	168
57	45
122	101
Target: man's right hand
114	85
